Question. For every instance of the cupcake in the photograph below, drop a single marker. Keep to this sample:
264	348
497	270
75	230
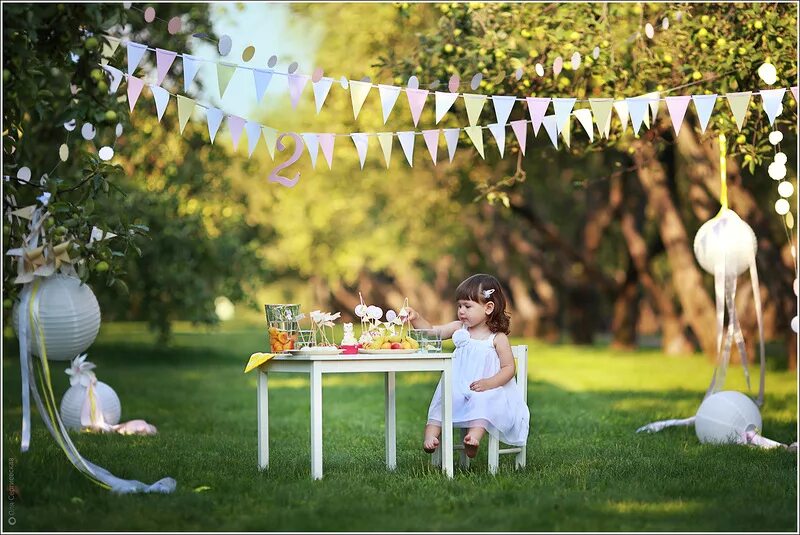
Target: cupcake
349	343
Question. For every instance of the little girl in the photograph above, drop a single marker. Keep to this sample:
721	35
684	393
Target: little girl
485	393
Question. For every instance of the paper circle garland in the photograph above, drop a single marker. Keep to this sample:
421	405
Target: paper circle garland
782	206
476	81
775	137
723	417
776	171
768	73
596	52
272	61
24	174
558	64
316	76
174	25
453	84
649	31
344	82
224	45
106	153
118	130
248	53
576	61
149	14
73	400
63	152
88	131
665	23
69	317
70	125
293	67
780	158
725	238
539	69
785	189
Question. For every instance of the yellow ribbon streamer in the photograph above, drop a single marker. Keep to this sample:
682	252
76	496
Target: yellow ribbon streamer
723	177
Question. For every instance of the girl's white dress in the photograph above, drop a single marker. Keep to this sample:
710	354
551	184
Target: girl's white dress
501	411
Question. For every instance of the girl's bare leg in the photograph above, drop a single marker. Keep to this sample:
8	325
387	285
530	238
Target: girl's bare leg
431	441
472	440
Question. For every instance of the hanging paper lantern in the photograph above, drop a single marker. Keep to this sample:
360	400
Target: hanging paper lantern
68	314
106	399
725	416
725	238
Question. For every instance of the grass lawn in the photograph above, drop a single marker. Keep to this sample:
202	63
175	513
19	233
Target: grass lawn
587	469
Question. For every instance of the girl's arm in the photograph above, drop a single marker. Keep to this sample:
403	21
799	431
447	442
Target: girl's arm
418	322
446	331
507	368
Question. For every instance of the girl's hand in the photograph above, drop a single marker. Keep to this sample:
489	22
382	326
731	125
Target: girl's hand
481	385
412	314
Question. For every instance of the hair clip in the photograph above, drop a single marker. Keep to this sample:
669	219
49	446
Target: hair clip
487	293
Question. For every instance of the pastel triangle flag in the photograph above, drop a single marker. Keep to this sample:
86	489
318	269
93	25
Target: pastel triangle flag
236	125
297	82
444	101
135	54
116	78
161	96
360	141
502	108
431	138
358	94
253	135
537	107
326	142
655	100
638	108
407	143
385	139
549	123
520	129
738	103
771	100
224	74
312	144
566	132
622	111
190	66
794	93
416	101
476	136
214	119
135	86
584	117
185	109
389	94
601	110
164	59
474	105
262	78
677	110
499	133
321	90
270	138
704	105
451	138
562	108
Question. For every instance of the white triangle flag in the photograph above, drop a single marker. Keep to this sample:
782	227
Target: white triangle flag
549	123
638	108
214	119
321	90
190	66
562	108
389	94
116	78
771	100
584	116
502	108
499	133
654	99
161	97
444	101
253	135
136	52
312	144
451	138
704	105
262	78
360	141
622	110
385	139
407	142
326	143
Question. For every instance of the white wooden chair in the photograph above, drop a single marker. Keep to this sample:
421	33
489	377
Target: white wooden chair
494	451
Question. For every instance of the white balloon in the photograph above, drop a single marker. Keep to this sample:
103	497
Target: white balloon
785	189
775	137
768	73
727	239
725	416
782	206
780	158
776	171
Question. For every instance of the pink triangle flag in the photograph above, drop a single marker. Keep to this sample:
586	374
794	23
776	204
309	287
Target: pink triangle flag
677	110
164	59
135	86
432	142
416	101
326	142
520	129
297	82
794	93
537	107
236	124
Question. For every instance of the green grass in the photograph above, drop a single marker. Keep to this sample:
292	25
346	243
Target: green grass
587	469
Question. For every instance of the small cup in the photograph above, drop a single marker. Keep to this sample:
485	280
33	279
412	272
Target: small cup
429	340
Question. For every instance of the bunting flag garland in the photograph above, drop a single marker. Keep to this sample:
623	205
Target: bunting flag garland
474	105
794	93
549	123
312	144
326	142
185	110
407	143
214	119
537	107
358	94
771	102
321	90
224	74
164	59
297	82
236	125
161	96
566	132
262	78
271	139
520	129
502	107
475	134
444	101
655	101
451	138
499	133
190	66
704	105
738	103
622	112
135	54
584	117
385	139
116	78
677	110
389	94
360	140
562	107
416	101
638	108
431	138
135	86
601	110
253	135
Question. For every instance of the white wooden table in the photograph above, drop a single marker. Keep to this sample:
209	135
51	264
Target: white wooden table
317	365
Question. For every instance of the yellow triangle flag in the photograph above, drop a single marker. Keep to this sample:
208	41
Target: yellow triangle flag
256	360
358	94
474	104
271	138
601	109
385	139
565	131
738	103
476	135
224	74
185	109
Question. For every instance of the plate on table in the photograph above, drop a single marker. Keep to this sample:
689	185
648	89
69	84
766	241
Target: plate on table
316	351
387	351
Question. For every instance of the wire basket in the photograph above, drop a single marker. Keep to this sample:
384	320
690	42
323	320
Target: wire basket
283	326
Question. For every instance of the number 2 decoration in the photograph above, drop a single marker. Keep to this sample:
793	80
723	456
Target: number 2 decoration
298	151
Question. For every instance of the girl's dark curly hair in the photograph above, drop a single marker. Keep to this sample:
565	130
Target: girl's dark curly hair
473	288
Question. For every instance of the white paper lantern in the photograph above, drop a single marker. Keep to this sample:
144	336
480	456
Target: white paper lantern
69	317
723	417
726	238
72	404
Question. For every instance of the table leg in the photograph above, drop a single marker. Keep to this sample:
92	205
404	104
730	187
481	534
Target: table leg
316	423
391	422
446	444
263	420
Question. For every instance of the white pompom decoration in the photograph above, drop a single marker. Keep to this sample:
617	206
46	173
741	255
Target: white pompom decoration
776	171
775	137
780	158
725	237
724	417
72	403
785	189
69	317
